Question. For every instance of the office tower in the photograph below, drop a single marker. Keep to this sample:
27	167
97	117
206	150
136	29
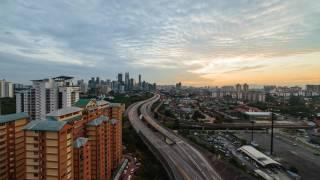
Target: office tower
12	146
245	87
238	87
83	87
120	78
139	81
91	83
108	82
47	95
126	81
49	151
131	84
97	80
6	89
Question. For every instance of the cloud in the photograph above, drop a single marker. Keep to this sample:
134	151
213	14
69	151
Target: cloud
203	38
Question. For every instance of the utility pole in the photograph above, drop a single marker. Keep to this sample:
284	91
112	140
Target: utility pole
272	121
252	123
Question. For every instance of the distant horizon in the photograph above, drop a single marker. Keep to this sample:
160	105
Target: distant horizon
254	85
199	43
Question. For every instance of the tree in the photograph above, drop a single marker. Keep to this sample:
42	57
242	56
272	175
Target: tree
197	115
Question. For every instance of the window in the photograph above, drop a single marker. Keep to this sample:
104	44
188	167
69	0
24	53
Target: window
35	174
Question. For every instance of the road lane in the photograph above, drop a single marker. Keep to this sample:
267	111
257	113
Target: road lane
185	161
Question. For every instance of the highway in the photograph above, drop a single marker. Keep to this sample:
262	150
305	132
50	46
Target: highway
184	161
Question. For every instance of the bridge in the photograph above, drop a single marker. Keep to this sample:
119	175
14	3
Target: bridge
181	160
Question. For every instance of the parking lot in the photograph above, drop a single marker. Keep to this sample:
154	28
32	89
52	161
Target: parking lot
131	168
288	153
228	144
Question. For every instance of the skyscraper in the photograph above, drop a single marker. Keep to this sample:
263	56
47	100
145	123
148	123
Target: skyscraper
246	87
139	81
120	78
127	81
238	87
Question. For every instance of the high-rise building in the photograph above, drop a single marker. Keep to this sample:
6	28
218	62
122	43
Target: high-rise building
139	81
313	88
81	159
79	142
12	146
97	80
47	95
245	87
116	131
6	89
238	87
120	81
49	150
131	84
127	81
83	87
178	85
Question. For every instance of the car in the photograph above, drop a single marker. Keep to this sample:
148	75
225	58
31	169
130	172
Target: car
294	144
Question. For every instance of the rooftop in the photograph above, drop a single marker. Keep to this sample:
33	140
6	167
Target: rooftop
63	78
64	111
115	104
13	117
79	142
97	121
102	102
45	125
82	103
258	156
40	80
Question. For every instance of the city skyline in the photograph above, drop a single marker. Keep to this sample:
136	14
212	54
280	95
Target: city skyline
197	43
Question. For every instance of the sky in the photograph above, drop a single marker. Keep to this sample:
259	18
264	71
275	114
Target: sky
197	42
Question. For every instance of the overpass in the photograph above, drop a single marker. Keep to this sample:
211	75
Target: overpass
243	125
181	160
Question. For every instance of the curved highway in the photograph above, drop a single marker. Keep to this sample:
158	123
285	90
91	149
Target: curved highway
185	161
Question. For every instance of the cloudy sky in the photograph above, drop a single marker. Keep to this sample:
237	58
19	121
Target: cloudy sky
213	42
